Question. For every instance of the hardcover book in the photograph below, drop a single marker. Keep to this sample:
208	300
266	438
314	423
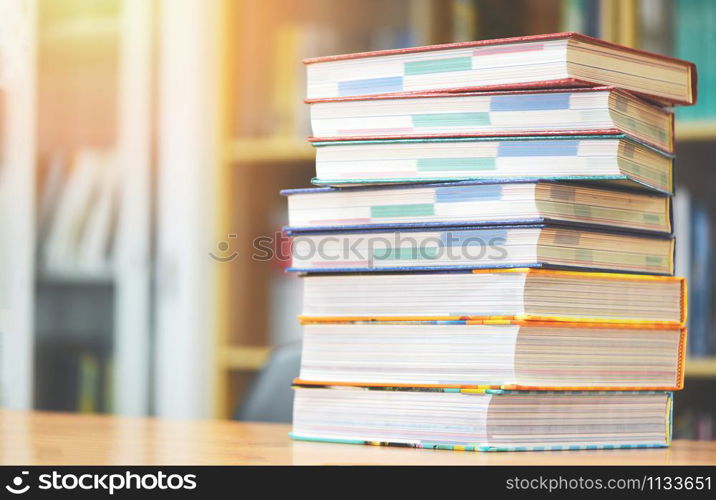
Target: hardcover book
482	419
540	61
601	110
610	159
476	203
511	294
419	249
494	354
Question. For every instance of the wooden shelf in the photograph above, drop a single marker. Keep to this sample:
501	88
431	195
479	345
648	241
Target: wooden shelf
81	29
76	276
251	358
244	358
695	130
269	150
701	367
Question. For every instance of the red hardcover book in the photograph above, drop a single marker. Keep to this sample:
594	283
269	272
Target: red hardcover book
545	112
539	61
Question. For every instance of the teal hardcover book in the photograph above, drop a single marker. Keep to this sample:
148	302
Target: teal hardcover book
611	159
483	419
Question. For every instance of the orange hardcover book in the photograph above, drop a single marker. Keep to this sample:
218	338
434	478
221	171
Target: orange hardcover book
494	354
497	294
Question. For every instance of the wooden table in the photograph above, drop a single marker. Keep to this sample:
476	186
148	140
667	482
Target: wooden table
55	438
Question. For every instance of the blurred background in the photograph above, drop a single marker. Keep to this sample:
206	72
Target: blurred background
142	147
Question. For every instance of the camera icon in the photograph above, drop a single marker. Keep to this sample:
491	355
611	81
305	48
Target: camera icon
17	488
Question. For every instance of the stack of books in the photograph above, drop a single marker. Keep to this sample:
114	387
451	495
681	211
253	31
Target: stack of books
489	263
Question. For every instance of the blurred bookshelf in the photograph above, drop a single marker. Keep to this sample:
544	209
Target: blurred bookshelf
692	33
18	82
701	367
695	130
246	357
272	149
74	124
265	125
